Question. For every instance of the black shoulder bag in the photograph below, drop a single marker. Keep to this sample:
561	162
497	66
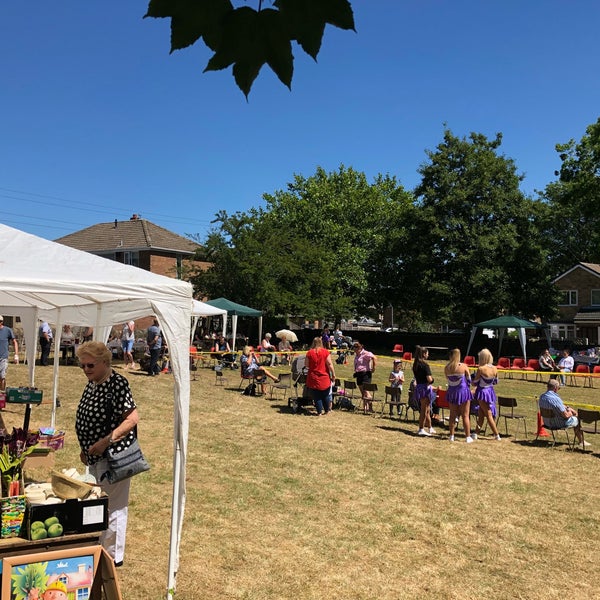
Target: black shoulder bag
124	464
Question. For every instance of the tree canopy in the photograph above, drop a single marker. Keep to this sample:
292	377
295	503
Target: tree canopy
471	231
247	38
573	223
311	250
465	246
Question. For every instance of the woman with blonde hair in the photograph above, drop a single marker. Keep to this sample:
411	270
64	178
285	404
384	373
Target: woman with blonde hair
459	393
485	379
127	340
251	366
106	417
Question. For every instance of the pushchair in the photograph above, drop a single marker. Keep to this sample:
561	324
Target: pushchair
226	360
299	372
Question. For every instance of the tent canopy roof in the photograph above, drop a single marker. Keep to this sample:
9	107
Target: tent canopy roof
43	279
202	309
509	321
233	308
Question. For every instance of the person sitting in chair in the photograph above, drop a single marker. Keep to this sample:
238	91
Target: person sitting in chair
565	417
252	369
224	352
566	365
285	348
547	362
266	346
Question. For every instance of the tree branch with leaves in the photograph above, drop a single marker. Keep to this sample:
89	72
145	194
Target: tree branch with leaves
246	38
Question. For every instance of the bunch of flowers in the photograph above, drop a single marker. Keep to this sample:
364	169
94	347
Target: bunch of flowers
14	448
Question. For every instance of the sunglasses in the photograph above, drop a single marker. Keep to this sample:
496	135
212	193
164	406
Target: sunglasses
87	365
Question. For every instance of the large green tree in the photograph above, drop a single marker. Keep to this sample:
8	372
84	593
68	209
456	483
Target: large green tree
312	249
246	38
477	252
573	226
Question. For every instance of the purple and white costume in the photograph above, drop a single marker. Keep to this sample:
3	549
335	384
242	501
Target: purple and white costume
485	392
459	391
423	389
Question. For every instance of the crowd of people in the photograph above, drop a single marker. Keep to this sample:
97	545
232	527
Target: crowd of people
107	415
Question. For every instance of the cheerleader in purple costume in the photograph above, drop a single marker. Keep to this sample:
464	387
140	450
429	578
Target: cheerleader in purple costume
423	391
485	380
459	393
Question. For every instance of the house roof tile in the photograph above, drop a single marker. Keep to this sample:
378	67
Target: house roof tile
135	234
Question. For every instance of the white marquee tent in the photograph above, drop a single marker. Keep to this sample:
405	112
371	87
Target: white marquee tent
40	279
202	309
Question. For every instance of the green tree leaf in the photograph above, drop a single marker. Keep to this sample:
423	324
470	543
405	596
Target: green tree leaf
246	38
305	20
192	20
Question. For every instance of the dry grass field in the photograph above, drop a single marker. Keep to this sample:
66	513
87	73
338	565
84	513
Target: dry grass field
284	506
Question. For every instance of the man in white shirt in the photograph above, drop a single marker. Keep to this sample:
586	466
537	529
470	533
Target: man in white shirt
566	365
45	342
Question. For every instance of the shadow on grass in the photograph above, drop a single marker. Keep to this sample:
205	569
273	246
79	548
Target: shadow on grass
546	444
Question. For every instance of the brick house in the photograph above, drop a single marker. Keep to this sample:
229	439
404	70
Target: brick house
579	306
140	243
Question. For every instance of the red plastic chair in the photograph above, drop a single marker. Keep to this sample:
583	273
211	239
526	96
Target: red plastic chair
398	349
503	363
441	402
407	356
587	381
533	364
470	361
518	365
595	374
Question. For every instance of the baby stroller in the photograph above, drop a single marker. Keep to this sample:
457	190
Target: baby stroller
299	372
342	357
227	360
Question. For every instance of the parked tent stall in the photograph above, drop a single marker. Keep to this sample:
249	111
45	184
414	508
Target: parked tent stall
235	310
502	324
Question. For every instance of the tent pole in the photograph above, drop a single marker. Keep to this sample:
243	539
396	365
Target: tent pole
57	337
175	517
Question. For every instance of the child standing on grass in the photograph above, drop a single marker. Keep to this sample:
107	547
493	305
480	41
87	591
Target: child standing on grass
396	380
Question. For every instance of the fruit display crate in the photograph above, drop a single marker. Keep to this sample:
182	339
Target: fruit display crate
23	395
74	516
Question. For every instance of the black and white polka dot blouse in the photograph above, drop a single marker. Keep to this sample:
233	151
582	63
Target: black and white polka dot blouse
101	409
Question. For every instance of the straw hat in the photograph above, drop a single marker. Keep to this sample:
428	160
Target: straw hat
67	488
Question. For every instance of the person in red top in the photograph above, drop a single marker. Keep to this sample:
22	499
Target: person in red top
320	376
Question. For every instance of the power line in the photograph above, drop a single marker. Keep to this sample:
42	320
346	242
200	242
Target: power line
76	205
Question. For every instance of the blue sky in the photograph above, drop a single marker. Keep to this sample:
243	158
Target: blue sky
99	121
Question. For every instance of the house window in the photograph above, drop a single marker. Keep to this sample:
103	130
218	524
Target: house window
131	258
569	298
595	298
562	332
83	593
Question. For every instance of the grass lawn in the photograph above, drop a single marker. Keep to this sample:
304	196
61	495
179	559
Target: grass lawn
284	506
